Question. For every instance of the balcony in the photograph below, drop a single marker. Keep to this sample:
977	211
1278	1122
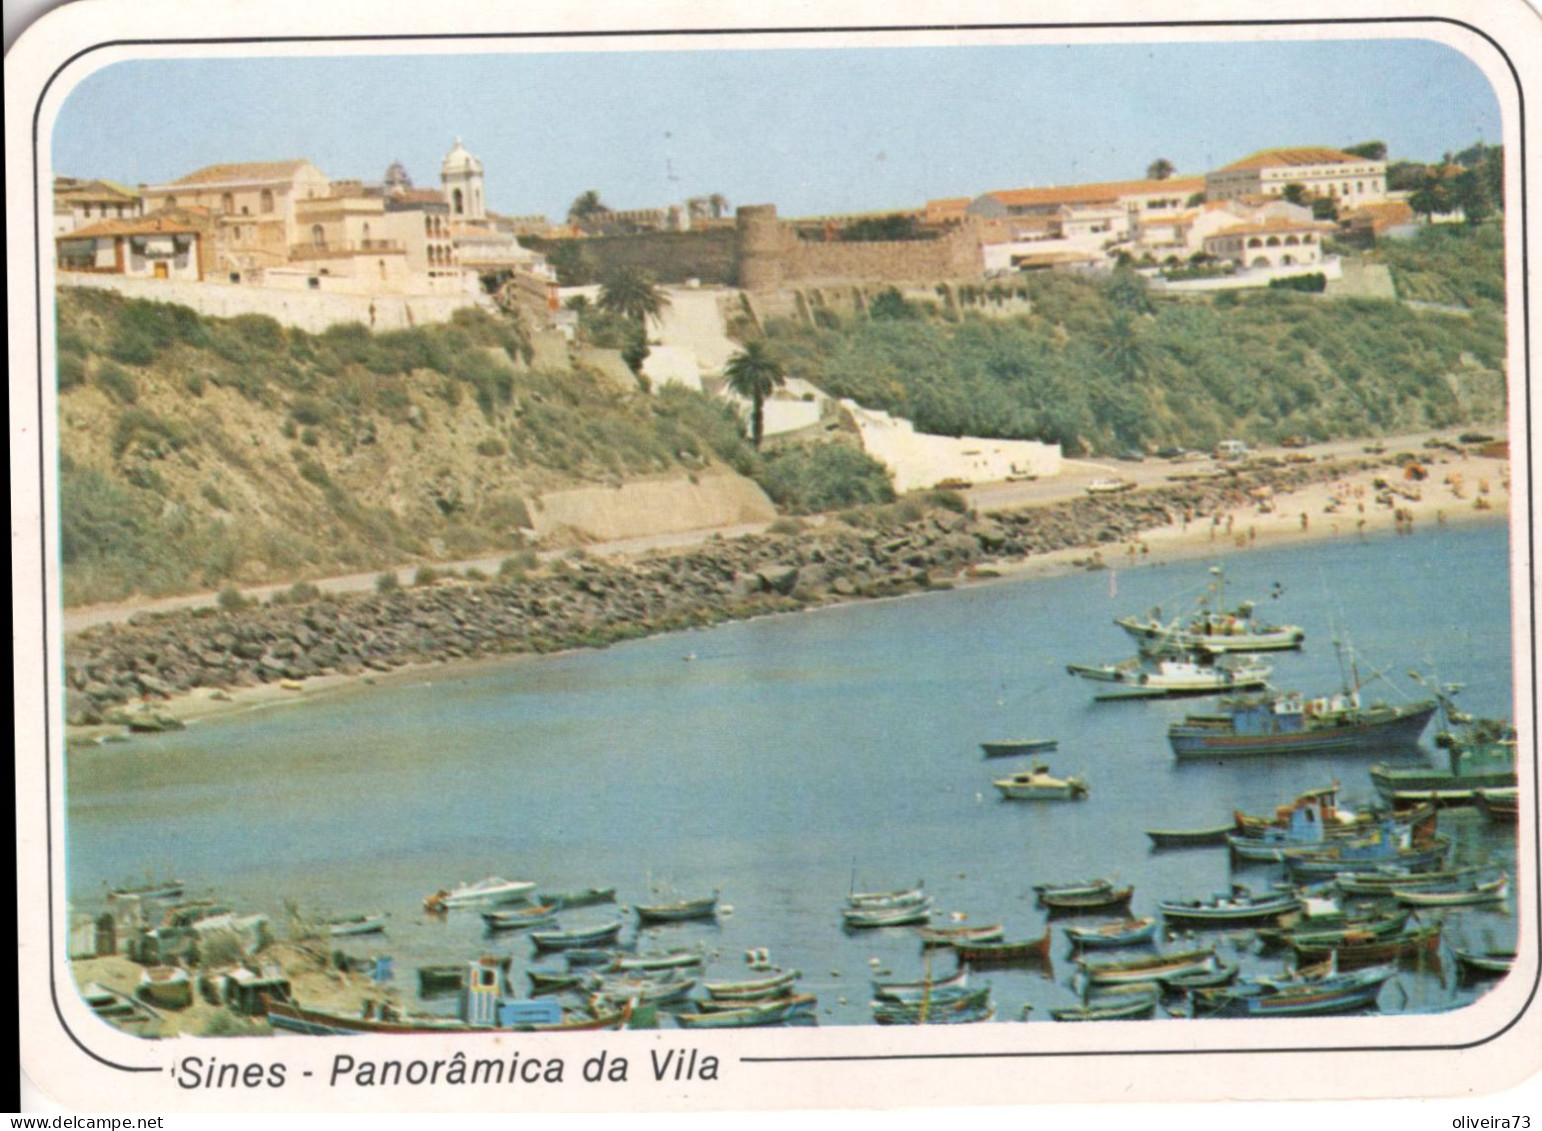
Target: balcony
344	250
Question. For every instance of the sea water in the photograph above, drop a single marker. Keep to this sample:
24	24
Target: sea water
783	761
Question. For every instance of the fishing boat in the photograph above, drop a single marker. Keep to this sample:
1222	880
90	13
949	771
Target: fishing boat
1480	755
490	892
1501	806
948	936
1078	903
600	934
1381	881
678	911
1037	785
357	925
1289	723
778	984
584	897
1335	932
1123	1003
1011	747
658	960
1129	932
1391	845
169	987
1238	908
1327	993
152	889
1004	953
747	1016
665	990
555	981
971	1005
898	898
1175	676
1211	837
295	1018
1071	888
903	915
1484	963
543	915
1491	891
1421	942
1212	628
912	991
1222	974
1147	968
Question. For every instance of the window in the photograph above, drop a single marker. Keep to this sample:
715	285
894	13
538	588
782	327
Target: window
227	202
267	200
85	211
382	269
457	203
171	202
318	237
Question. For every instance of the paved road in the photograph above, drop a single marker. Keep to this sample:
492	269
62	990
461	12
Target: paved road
1071	483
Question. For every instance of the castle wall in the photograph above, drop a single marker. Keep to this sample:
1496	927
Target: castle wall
670	257
773	256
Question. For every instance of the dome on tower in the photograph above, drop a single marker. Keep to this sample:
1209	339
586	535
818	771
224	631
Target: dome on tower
396	177
459	161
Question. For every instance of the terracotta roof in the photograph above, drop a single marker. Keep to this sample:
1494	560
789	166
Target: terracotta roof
1111	190
243	171
96	190
1301	155
1275	225
166	220
1384	214
419	196
948	207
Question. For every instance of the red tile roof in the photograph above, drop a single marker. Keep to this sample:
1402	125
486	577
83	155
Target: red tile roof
166	220
243	171
1112	190
1292	156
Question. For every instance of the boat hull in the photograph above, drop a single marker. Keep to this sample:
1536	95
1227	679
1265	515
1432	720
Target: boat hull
1372	734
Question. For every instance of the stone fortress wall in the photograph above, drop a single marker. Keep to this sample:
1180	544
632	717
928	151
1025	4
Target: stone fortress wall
773	256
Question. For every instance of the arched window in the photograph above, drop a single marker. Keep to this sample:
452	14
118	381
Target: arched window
1255	242
267	200
366	233
428	225
171	202
1291	241
1308	238
318	236
227	202
457	203
1273	241
1260	262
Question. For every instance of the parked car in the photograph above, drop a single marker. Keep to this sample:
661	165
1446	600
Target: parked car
1294	442
1231	449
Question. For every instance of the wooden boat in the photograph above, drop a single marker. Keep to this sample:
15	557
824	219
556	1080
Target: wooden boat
1004	953
578	937
1140	1001
747	1016
1223	974
965	1006
945	1016
1189	838
754	989
1288	723
1011	747
1328	993
169	987
664	990
543	915
659	960
357	925
121	1010
1352	953
864	918
1381	881
1491	891
1110	485
1072	888
1334	932
1175	676
1238	908
556	981
899	898
1212	628
446	978
911	991
153	889
1484	963
1129	932
948	936
1480	755
1038	785
490	892
1348	856
585	897
1499	805
1148	968
1109	899
678	911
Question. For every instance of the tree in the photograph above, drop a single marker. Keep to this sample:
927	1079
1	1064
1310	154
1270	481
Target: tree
1470	194
1431	197
1325	208
585	205
1127	290
571	262
1127	348
632	293
755	374
1160	169
1370	150
1295	192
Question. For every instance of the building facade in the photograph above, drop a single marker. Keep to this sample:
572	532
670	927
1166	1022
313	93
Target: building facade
1324	173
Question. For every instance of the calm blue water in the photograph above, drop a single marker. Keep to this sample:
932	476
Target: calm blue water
794	756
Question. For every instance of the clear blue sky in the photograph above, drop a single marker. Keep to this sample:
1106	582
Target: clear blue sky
809	130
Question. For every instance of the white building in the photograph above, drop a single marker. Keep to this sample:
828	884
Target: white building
1321	172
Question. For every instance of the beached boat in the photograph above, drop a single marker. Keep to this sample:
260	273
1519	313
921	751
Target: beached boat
1011	747
1129	932
357	925
597	935
1212	837
295	1018
1502	806
1327	993
1123	1003
490	892
1037	785
948	936
1490	891
1484	963
544	915
1147	968
678	911
120	1009
1175	676
1004	953
1351	953
777	984
1289	723
1238	908
168	987
903	915
748	1016
1081	903
583	897
1480	755
1110	485
1212	628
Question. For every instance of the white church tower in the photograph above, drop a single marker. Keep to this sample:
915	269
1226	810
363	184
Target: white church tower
461	174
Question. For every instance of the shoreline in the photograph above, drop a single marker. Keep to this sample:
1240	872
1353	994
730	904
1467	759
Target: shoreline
1270	518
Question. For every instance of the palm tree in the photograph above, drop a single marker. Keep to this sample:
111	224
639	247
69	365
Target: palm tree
755	374
585	205
632	293
1160	169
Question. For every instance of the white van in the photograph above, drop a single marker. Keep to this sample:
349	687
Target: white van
1231	449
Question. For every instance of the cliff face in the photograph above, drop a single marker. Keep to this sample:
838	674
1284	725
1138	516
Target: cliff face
196	452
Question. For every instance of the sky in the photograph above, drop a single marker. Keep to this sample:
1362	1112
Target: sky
810	130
